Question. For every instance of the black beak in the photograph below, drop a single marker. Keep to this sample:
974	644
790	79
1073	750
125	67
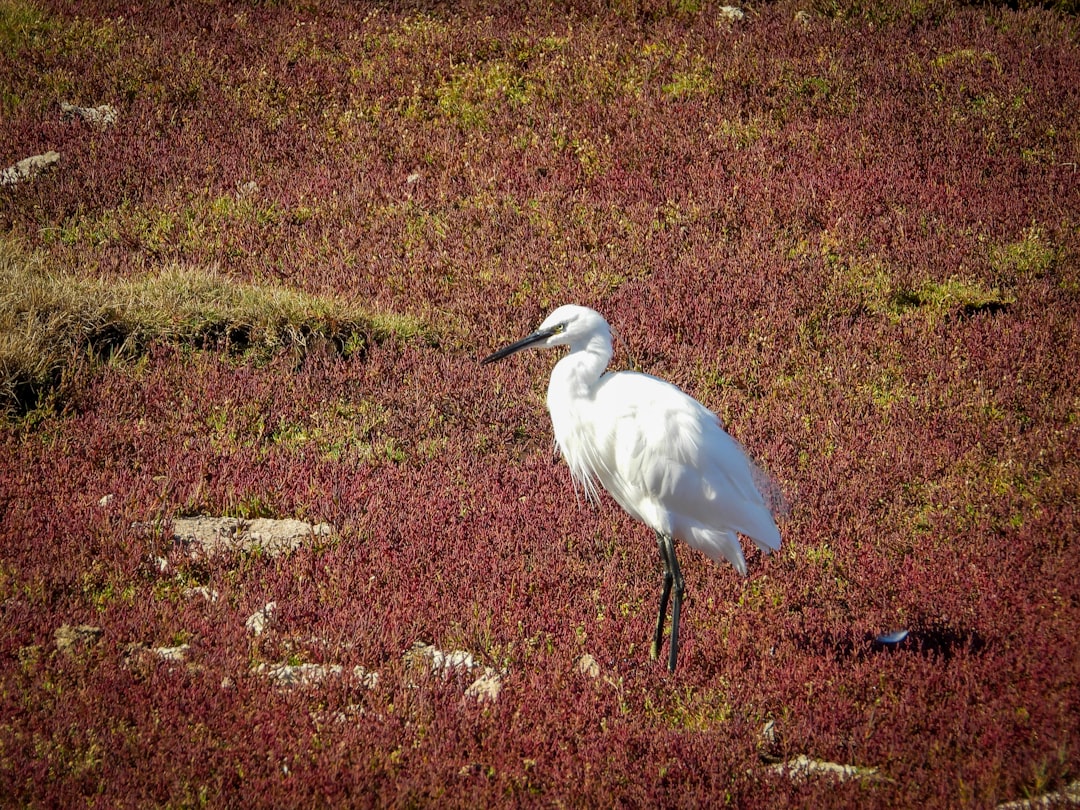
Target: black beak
524	343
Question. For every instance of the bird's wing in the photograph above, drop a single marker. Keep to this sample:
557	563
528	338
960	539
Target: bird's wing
670	455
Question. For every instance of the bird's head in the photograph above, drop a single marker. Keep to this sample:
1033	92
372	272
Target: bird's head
569	325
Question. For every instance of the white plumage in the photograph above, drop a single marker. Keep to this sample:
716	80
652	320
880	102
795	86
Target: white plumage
662	455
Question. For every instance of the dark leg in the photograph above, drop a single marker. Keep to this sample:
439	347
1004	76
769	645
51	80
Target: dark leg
676	605
658	637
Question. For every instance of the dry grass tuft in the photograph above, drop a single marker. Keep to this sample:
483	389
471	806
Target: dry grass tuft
49	320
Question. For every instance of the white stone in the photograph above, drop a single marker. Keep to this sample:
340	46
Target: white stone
261	619
290	675
102	116
486	688
207	536
588	666
209	594
27	168
802	767
178	653
1070	794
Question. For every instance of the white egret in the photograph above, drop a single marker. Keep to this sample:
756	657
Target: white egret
663	456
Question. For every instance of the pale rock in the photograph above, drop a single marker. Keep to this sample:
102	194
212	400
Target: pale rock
209	594
802	767
27	168
588	666
301	675
485	687
67	636
730	14
102	116
1069	795
258	621
173	654
207	536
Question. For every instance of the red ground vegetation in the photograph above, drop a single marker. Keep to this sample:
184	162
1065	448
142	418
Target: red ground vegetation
853	233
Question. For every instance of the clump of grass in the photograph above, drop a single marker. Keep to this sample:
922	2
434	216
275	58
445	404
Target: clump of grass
694	81
954	295
50	319
1033	256
878	291
20	22
468	95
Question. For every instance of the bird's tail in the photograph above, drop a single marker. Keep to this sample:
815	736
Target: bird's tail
718	545
723	544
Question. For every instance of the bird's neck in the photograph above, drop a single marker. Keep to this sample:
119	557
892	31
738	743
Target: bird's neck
570	398
576	375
